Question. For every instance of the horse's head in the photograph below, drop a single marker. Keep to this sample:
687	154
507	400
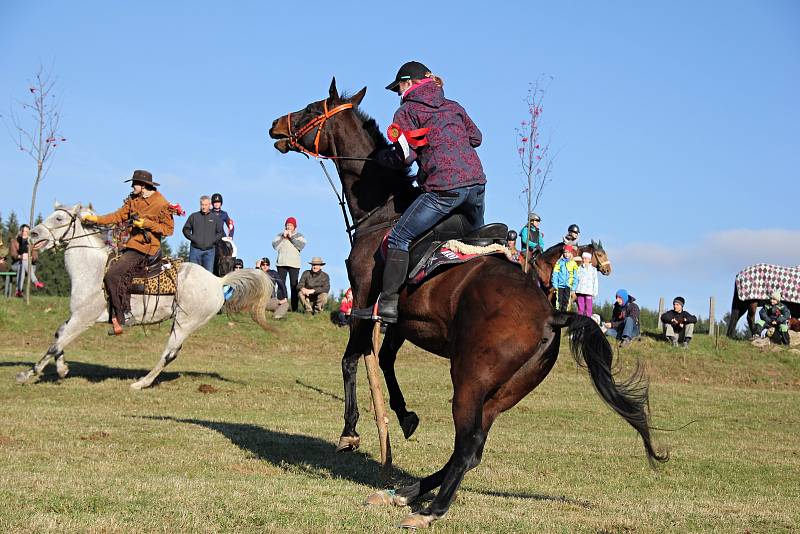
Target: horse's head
600	258
58	226
311	129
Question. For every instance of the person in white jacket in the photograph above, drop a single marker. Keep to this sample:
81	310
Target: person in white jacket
587	285
289	243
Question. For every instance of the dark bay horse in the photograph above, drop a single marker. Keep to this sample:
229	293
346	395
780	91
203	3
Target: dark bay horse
546	261
486	316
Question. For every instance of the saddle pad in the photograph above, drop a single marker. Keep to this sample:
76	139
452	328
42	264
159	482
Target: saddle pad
162	283
455	251
758	281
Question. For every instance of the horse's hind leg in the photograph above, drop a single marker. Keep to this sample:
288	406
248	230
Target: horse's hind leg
392	342
180	331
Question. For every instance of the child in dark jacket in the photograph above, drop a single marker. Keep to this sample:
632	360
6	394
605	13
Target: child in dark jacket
624	324
438	134
775	314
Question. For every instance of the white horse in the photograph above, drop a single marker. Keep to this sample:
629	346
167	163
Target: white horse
198	298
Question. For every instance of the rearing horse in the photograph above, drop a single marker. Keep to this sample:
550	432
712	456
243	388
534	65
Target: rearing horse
486	316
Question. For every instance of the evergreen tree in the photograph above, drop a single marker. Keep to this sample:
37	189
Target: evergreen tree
166	249
183	251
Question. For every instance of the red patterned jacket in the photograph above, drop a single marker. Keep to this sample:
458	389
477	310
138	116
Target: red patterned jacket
446	156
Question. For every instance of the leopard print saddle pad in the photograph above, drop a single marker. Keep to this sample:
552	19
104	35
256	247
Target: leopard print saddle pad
159	279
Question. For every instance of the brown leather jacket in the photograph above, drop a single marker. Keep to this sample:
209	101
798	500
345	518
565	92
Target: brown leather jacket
13	251
157	218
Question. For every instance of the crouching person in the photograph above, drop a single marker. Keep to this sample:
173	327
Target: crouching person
314	286
624	324
279	302
775	315
678	324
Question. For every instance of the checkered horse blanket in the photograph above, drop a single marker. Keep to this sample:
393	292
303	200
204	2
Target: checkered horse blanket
758	281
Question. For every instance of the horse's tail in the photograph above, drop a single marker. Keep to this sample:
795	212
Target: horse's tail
629	398
252	290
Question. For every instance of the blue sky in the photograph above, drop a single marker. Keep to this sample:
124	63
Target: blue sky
676	124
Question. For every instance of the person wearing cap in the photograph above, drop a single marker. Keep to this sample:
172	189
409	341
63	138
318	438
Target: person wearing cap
314	286
152	221
203	229
775	314
624	324
289	243
573	233
278	303
587	288
440	137
565	278
678	324
534	243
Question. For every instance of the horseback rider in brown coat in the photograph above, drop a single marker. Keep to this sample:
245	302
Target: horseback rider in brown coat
151	220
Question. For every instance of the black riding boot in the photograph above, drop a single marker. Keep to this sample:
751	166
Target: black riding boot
395	271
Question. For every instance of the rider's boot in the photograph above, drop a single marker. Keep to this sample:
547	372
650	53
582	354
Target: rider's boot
116	328
395	271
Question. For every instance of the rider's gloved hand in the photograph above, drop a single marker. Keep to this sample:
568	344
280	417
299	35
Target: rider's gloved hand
89	218
139	223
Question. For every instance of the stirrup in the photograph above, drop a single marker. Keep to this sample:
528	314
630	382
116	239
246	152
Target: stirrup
371	314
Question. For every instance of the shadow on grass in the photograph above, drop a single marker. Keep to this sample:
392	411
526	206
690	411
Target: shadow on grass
98	373
535	497
319	390
295	452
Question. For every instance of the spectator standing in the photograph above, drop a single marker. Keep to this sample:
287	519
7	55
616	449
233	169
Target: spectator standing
624	324
314	286
279	302
678	324
216	208
775	314
573	233
203	229
534	243
289	243
587	288
345	308
21	253
565	278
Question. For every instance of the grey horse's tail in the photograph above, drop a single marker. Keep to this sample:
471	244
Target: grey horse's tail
252	289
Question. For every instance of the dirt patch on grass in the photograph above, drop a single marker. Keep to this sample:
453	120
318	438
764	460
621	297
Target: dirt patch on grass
96	436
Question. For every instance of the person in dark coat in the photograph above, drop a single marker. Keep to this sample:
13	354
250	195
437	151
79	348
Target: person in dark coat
203	229
624	324
678	324
438	134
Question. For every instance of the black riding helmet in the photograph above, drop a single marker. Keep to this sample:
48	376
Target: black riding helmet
512	235
216	197
573	229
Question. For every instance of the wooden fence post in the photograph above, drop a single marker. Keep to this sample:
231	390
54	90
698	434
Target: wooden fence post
660	312
712	324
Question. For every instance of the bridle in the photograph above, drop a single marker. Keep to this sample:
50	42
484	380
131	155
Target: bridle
71	224
317	122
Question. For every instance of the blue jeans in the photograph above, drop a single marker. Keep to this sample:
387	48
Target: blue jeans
430	208
629	330
204	258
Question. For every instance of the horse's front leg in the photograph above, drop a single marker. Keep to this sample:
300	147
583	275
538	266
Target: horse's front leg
358	344
392	342
81	319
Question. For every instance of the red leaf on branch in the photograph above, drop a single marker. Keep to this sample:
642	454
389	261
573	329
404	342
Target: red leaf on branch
525	140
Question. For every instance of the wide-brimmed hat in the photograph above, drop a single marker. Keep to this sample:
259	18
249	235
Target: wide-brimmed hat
413	70
142	177
316	260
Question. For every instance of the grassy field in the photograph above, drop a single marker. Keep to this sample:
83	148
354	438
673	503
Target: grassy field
239	436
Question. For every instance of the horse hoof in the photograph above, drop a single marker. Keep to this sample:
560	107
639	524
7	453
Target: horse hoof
382	498
137	386
409	424
415	521
24	376
348	443
62	371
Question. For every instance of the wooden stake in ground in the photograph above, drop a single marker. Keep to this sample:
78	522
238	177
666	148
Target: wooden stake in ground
381	420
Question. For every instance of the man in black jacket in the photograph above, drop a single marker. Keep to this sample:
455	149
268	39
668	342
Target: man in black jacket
203	229
678	324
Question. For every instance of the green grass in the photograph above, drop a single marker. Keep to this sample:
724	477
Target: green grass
255	452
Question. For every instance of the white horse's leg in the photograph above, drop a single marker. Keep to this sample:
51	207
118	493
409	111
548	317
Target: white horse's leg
81	319
195	306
